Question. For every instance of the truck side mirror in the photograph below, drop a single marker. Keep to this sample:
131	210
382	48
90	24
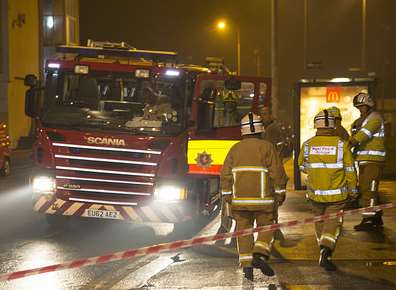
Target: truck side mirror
30	81
31	97
205	116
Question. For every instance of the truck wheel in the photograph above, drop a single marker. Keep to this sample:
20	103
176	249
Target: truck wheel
6	169
55	221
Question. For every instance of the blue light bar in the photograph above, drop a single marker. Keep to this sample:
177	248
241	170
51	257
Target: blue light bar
155	56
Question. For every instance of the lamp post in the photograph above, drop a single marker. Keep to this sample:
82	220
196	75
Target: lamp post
222	26
274	58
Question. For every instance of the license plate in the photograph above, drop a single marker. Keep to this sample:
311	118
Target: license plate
102	214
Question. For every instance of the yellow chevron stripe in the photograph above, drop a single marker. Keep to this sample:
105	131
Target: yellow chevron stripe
97	206
166	212
39	203
112	208
132	214
57	204
73	208
150	214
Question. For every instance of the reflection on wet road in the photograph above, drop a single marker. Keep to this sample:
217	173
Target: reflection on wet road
27	242
365	260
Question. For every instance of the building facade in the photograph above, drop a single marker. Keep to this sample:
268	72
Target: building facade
29	32
19	56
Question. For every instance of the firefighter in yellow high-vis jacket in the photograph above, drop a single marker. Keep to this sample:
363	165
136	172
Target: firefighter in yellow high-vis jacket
329	164
368	133
253	181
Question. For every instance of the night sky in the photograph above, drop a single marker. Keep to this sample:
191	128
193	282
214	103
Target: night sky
183	26
331	34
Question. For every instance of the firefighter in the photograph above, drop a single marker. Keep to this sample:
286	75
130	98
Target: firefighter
339	129
272	131
230	116
273	134
329	164
368	134
253	182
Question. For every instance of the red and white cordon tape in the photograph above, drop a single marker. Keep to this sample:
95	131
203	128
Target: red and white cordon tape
117	256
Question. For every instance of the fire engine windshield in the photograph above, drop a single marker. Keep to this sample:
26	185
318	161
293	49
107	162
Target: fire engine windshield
108	101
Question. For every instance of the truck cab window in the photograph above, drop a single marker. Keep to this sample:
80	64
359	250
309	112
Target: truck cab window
115	100
205	115
229	106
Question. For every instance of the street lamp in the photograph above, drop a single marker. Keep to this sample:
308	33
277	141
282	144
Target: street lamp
221	25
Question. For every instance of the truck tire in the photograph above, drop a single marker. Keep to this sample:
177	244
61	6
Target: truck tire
56	221
6	168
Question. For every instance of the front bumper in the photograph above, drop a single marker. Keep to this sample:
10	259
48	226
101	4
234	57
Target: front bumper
155	212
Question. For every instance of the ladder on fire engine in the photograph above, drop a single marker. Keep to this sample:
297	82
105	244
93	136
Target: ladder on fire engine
102	49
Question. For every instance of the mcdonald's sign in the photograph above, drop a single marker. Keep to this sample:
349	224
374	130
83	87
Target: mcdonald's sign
333	95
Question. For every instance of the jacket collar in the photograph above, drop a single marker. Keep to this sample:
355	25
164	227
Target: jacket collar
325	132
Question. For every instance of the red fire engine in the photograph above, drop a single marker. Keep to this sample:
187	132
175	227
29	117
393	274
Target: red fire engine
5	168
130	134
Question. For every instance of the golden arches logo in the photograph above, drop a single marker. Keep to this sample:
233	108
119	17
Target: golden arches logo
333	95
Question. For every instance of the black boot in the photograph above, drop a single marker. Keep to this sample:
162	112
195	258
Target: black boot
325	261
370	223
260	262
248	273
377	219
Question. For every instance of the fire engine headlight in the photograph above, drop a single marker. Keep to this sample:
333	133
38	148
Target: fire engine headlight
43	184
169	193
142	73
172	73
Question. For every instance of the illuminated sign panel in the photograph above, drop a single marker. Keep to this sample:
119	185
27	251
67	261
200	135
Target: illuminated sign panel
314	99
333	95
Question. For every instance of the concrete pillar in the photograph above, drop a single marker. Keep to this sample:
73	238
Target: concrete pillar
23	51
3	61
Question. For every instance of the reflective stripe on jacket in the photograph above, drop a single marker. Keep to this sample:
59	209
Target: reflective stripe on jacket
370	137
253	174
328	162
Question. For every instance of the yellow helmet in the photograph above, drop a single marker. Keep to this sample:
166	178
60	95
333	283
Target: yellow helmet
335	112
251	124
324	120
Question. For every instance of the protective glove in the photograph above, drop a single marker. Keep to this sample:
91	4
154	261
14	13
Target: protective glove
353	199
226	197
353	194
280	198
280	195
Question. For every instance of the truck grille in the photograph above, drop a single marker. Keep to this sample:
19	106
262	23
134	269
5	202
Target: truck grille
105	174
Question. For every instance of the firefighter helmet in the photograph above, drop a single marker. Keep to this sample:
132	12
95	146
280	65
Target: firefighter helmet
335	112
324	120
251	124
363	99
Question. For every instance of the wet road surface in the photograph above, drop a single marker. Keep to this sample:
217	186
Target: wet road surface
364	260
